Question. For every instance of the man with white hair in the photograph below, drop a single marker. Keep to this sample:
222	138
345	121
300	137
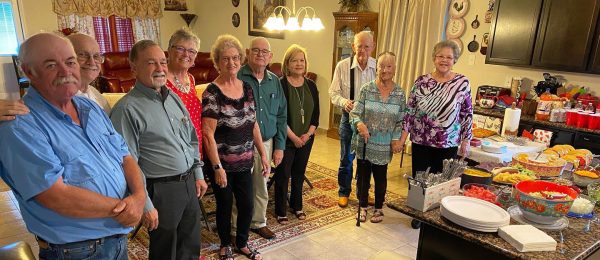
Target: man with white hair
79	190
162	138
349	76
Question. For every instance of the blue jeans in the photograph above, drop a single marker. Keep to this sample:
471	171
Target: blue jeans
103	248
346	157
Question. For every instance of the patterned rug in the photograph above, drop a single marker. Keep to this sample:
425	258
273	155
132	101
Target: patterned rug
320	206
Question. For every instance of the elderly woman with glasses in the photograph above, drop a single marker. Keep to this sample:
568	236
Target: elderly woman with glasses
377	116
183	48
230	132
440	114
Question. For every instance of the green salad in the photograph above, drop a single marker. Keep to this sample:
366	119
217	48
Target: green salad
523	170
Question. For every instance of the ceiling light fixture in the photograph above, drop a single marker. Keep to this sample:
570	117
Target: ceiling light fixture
277	23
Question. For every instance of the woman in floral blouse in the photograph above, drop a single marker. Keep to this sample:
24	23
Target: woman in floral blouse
440	114
377	115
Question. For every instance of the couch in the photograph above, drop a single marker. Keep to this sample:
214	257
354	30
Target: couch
116	75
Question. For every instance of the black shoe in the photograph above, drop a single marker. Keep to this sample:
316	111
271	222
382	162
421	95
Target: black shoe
415	224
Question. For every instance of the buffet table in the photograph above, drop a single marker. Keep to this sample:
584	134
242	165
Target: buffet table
481	156
442	239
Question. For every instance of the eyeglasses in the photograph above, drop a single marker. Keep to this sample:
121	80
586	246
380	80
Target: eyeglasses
235	58
440	57
85	56
181	50
256	51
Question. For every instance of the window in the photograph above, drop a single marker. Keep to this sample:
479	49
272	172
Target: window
113	33
8	35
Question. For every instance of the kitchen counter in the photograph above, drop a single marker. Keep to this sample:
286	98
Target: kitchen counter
530	119
440	238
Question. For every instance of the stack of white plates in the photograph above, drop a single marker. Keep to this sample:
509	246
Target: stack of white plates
474	213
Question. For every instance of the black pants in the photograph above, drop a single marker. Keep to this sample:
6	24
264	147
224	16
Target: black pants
239	184
364	169
178	232
293	165
424	156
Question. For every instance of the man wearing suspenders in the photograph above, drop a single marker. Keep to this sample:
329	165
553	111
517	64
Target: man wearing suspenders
349	76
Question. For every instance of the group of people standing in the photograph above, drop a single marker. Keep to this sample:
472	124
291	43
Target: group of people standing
377	119
96	171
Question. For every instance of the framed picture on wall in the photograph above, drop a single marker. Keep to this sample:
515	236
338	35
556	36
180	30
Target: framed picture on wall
258	13
175	5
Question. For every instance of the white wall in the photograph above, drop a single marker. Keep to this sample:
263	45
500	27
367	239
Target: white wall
486	74
214	19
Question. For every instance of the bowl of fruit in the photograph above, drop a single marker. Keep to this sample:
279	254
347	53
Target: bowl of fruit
542	201
481	191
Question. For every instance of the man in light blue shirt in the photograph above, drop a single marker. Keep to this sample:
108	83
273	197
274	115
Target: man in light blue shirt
78	189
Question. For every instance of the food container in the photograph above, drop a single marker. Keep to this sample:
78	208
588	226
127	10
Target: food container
582	119
476	175
475	142
583	178
543	166
594	191
571	117
554	115
540	210
583	207
424	199
481	191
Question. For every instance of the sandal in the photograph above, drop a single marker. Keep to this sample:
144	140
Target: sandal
363	215
300	215
377	216
282	220
252	253
228	253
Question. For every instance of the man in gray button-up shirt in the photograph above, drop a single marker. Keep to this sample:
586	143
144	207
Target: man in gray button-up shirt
160	135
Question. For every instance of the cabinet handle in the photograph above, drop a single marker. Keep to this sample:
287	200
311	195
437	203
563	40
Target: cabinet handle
586	139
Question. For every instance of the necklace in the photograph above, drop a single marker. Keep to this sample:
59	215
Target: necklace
185	88
301	100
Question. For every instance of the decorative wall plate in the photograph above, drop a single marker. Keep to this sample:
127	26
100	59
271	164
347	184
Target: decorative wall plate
235	3
458	8
455	27
235	19
458	42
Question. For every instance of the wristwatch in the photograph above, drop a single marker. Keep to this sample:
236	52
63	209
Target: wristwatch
217	166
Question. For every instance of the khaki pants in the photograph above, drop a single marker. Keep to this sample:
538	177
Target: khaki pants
261	194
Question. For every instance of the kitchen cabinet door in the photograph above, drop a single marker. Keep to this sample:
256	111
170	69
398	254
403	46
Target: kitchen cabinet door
595	57
566	31
588	141
513	32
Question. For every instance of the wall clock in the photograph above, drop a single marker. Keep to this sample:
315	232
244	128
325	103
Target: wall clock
458	8
235	19
455	27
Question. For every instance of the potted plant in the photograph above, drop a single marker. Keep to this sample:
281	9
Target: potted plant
353	5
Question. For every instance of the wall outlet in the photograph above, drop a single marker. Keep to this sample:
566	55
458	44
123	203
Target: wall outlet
507	81
471	59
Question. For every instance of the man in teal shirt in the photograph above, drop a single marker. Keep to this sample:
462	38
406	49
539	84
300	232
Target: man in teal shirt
271	115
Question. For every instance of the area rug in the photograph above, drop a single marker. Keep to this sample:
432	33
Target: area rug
320	206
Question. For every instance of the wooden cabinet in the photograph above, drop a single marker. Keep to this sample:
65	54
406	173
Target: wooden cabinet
347	24
565	34
550	34
513	32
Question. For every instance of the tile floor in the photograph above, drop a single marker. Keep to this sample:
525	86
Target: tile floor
343	240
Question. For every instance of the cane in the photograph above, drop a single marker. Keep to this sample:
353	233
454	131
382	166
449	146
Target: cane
358	189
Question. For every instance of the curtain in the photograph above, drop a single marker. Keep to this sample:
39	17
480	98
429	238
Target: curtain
80	24
106	8
146	29
410	29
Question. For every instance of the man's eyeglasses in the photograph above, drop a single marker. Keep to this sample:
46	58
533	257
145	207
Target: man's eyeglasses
440	57
181	50
256	51
85	56
235	58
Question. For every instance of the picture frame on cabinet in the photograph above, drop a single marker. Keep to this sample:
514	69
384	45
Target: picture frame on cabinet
258	13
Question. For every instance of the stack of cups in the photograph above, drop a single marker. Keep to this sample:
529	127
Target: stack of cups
583	119
594	122
571	119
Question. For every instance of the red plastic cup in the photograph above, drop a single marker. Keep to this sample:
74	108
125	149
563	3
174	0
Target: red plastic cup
583	119
571	117
594	123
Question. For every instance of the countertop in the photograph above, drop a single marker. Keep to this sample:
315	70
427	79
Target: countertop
577	243
530	119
